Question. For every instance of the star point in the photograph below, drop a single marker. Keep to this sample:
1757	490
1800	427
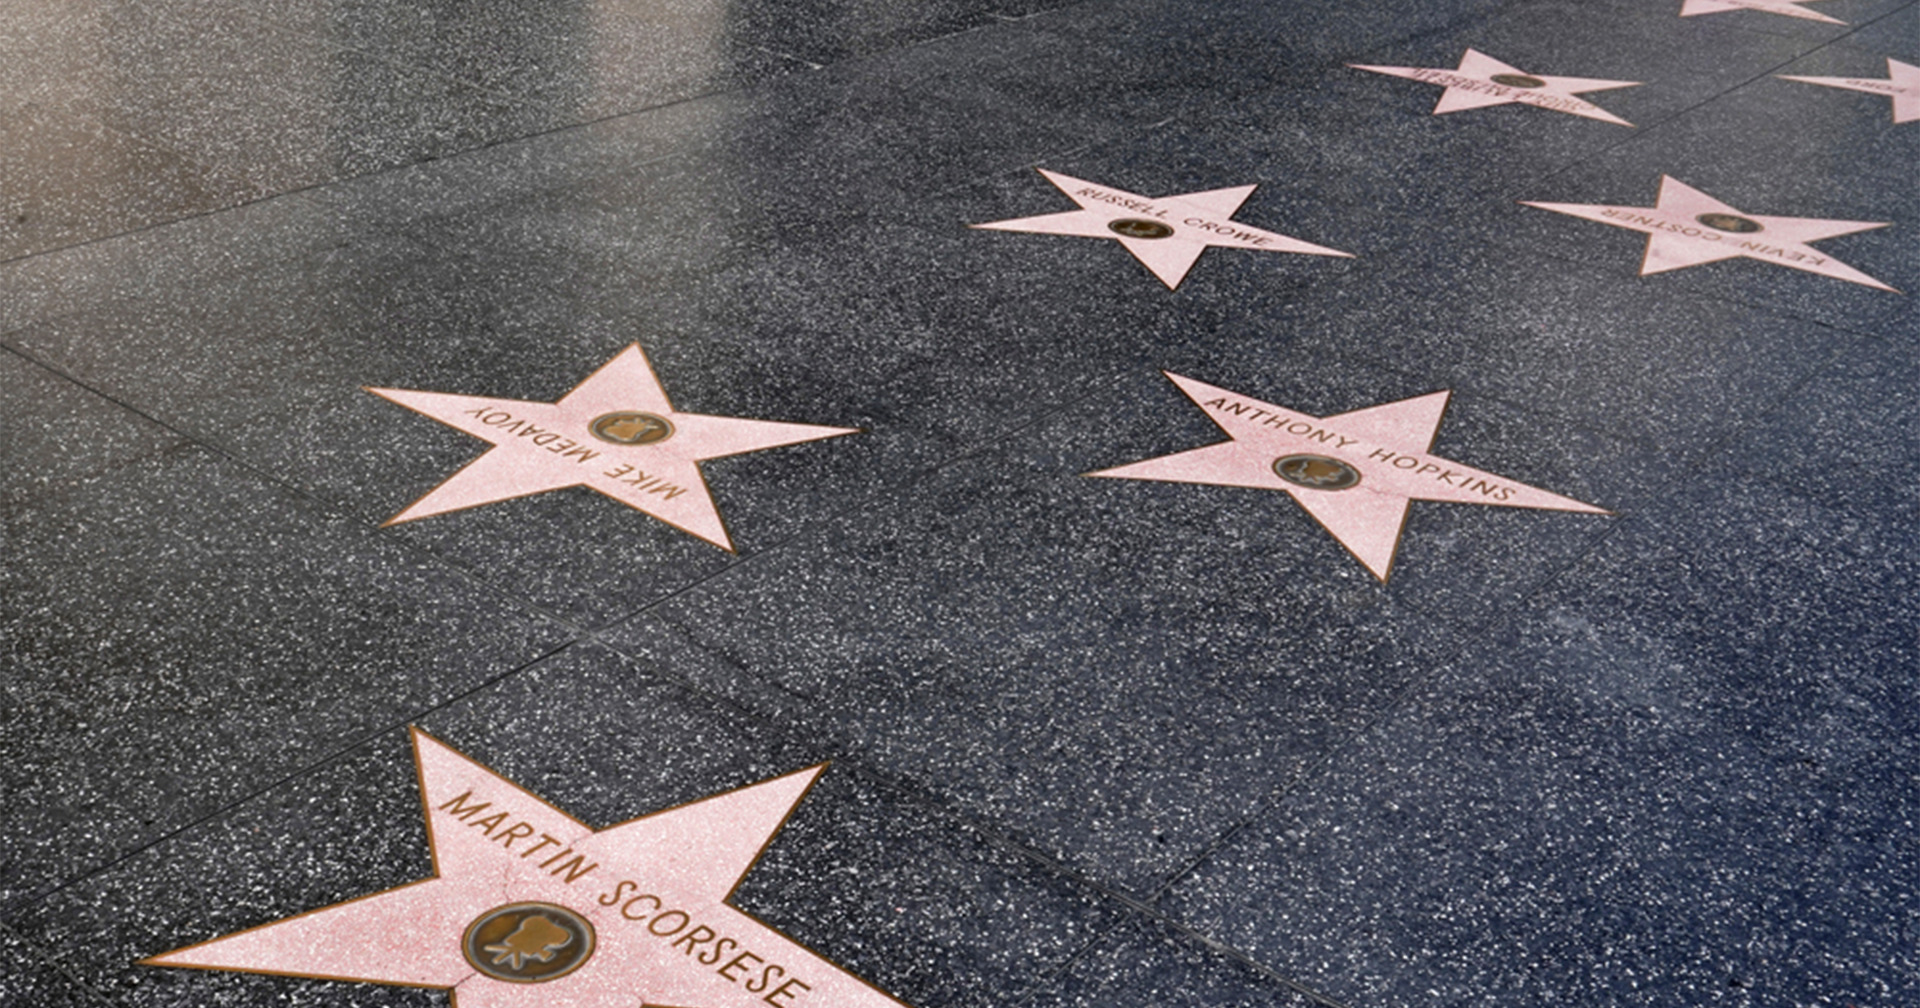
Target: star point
1481	81
1902	84
1687	227
1785	8
528	906
616	433
1166	234
1354	473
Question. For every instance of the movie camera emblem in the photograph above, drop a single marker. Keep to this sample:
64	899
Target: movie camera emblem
1134	227
630	428
1316	472
528	942
1729	222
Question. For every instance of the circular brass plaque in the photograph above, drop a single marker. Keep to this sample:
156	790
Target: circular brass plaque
528	942
1728	222
1134	227
1316	472
1518	80
632	428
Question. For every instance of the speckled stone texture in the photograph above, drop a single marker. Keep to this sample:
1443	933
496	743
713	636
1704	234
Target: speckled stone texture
1091	742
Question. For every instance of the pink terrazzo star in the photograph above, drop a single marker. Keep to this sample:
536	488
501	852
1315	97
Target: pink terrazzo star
529	907
615	433
1167	234
1689	227
1481	80
1902	85
1787	8
1355	473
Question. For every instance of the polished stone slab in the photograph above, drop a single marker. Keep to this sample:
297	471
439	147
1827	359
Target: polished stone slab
1848	430
1687	227
1166	234
1091	741
1030	642
1832	19
511	916
1371	142
72	179
652	451
1151	962
250	110
1901	86
189	629
1481	81
1782	8
1385	448
51	416
577	62
1671	376
166	262
283	116
890	887
1682	763
1839	167
260	364
27	978
1892	32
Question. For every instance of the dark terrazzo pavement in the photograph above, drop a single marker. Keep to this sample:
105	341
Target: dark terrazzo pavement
1091	741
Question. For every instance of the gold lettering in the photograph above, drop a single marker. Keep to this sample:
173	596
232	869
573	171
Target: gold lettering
457	805
784	990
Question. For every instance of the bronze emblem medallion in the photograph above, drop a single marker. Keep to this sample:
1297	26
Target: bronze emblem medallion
1729	222
528	942
631	428
1316	472
1518	80
1134	227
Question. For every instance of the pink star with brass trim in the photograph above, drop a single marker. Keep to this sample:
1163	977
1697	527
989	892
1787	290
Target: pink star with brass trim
1167	233
1788	8
1480	81
528	906
1688	227
615	433
1902	85
1355	473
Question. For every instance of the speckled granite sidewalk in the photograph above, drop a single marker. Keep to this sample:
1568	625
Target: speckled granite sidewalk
628	463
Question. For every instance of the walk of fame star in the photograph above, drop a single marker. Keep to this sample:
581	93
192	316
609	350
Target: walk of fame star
1166	234
615	433
1355	472
1902	85
1789	8
1688	227
1481	80
527	906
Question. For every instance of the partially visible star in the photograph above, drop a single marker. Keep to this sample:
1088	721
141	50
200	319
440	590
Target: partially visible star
1480	81
1166	233
1788	8
1688	227
1354	472
528	908
1902	85
615	433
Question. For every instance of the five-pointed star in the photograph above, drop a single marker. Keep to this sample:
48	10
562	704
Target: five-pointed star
1902	85
1353	472
1790	8
634	914
615	433
1689	227
1481	80
1166	234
